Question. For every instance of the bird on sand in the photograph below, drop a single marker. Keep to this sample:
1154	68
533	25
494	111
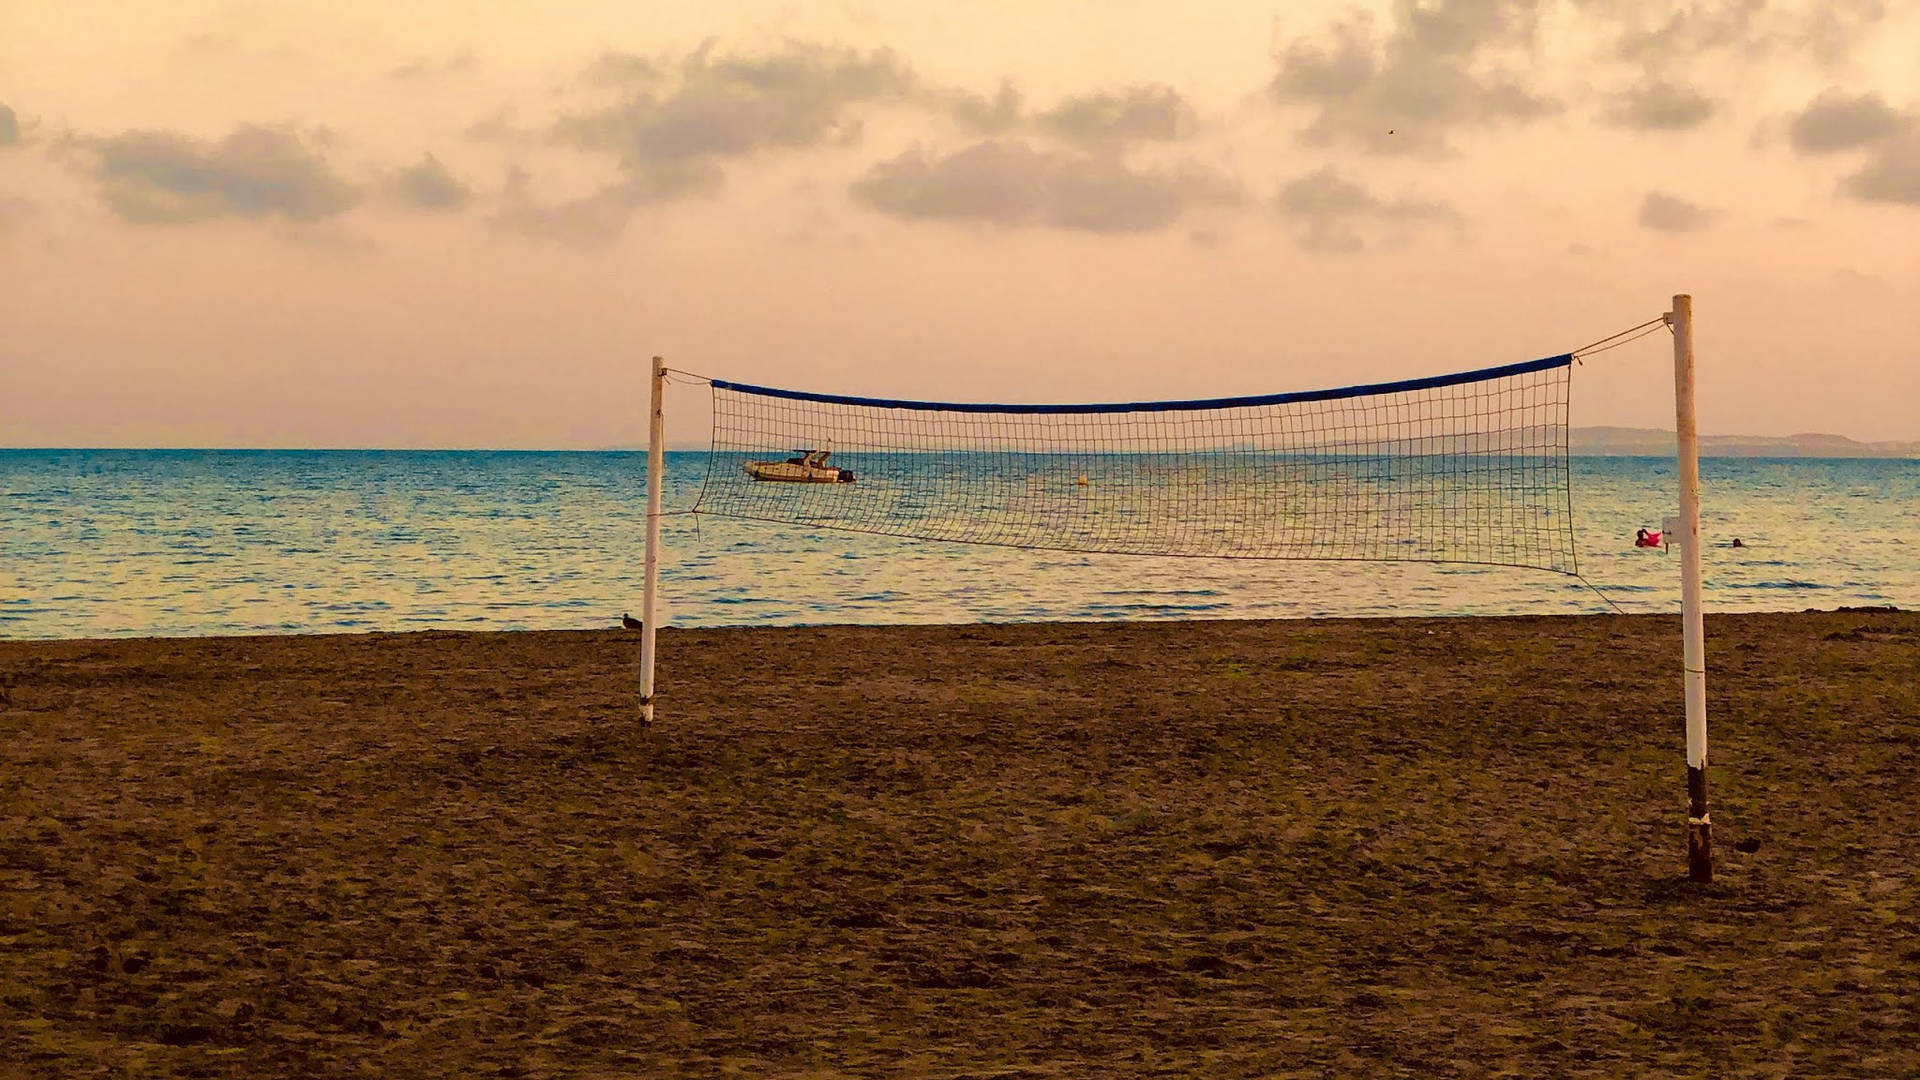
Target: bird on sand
630	622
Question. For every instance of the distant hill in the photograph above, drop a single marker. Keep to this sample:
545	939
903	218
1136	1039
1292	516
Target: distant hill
1652	442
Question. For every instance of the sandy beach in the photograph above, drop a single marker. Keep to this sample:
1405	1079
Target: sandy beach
1426	848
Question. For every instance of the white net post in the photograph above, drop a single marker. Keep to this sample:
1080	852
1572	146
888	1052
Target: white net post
656	469
1693	627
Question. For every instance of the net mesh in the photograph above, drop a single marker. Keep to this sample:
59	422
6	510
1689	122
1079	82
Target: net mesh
1467	468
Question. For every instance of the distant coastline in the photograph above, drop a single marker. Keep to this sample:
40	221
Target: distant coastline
1654	442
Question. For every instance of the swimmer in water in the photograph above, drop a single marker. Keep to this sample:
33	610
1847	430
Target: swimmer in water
1737	543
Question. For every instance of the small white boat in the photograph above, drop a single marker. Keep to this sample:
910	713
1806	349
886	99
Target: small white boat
810	467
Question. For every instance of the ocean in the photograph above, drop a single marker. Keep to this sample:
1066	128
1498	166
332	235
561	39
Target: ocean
116	543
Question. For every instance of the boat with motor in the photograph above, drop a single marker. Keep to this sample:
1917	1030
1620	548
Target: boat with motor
807	467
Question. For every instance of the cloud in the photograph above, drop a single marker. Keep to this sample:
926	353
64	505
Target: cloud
675	121
499	127
1435	71
9	126
598	218
1891	175
1832	31
1693	30
707	108
588	221
429	68
1332	207
1834	121
1345	64
1670	213
427	185
1011	183
1142	113
1139	112
1826	32
983	115
165	177
620	68
1660	106
1325	193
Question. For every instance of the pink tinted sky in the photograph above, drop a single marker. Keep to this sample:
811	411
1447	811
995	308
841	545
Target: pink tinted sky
455	224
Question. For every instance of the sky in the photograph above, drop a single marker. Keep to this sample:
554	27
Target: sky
462	224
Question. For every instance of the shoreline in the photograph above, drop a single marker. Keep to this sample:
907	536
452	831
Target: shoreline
1711	616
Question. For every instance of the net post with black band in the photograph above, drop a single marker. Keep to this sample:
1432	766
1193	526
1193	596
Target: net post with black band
1692	622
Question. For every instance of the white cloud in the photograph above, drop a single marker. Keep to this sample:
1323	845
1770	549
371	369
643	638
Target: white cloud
1440	68
162	176
1891	175
1838	121
1658	105
1139	112
427	185
1670	213
598	218
1332	209
708	107
1013	183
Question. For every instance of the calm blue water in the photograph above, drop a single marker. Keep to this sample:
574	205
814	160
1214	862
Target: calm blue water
137	542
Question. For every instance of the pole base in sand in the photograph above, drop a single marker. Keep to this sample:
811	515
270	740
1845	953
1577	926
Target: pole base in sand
1699	827
1700	853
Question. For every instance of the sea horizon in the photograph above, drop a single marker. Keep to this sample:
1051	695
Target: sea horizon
1708	448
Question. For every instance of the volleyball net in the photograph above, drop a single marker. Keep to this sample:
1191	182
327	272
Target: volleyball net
1470	467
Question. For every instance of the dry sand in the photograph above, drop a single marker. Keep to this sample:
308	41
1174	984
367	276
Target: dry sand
1357	848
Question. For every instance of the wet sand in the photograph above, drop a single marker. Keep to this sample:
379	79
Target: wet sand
1354	848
